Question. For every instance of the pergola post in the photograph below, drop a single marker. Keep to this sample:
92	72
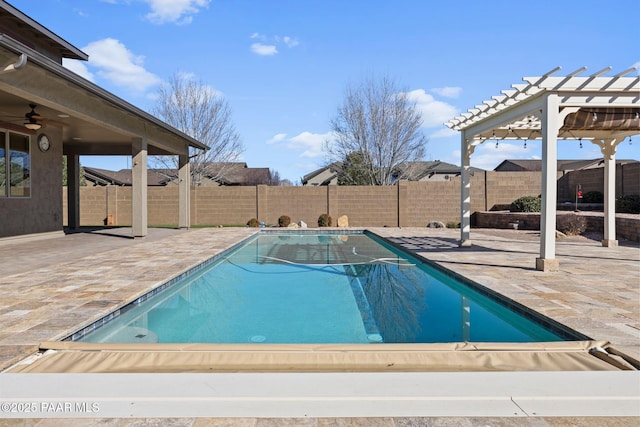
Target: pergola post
550	126
139	188
73	191
184	191
608	149
465	191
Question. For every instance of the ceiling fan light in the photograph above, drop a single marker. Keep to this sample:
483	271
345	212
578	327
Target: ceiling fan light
32	126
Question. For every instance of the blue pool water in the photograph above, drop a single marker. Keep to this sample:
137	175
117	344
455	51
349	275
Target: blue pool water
320	288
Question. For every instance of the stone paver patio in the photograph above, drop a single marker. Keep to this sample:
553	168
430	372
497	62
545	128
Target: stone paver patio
49	288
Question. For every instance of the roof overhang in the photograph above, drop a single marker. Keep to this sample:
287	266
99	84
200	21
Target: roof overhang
591	107
33	30
93	120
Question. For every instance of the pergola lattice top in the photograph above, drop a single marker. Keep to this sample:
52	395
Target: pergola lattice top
595	106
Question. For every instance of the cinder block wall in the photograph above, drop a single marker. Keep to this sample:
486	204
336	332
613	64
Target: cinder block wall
221	205
627	181
366	206
299	203
438	201
408	204
505	187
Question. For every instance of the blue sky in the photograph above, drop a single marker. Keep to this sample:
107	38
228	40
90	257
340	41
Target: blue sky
283	65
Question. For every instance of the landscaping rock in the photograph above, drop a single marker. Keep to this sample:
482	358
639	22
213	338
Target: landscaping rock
436	224
302	224
343	221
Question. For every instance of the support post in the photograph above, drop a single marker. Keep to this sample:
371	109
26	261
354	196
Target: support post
184	192
608	149
550	126
139	188
73	191
466	149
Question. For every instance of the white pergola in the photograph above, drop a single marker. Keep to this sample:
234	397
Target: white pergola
600	109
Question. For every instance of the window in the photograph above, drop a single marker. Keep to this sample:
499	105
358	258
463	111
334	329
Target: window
15	165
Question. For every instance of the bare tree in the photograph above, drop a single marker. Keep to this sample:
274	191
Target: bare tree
378	125
199	111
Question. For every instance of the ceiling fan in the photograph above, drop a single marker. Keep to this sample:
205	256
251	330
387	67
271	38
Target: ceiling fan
32	118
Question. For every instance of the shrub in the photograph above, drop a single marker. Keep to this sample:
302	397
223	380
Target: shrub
324	220
284	221
453	224
526	204
571	224
592	197
628	204
253	222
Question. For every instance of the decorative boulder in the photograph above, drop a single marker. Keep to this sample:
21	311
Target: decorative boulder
292	225
302	224
436	224
343	221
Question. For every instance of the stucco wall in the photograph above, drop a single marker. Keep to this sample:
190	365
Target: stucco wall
42	211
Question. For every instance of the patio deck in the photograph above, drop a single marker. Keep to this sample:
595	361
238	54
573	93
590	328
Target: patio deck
49	288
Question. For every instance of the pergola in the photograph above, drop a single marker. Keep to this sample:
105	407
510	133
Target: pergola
600	109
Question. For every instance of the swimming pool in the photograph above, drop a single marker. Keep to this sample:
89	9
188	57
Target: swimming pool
322	288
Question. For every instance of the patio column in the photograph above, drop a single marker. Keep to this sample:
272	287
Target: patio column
550	126
73	191
608	149
466	149
184	192
139	188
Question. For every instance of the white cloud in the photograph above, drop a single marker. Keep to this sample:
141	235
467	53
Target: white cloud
434	112
290	42
310	144
277	138
268	46
264	49
117	64
448	91
443	133
175	11
78	67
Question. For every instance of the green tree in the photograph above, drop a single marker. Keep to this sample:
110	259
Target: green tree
355	170
83	181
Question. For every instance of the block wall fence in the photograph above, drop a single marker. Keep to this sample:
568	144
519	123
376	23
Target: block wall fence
408	204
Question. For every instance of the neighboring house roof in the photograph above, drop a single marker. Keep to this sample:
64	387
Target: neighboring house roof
413	171
155	177
330	171
222	173
237	173
563	165
417	171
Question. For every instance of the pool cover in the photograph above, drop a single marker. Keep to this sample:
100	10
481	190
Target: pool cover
76	357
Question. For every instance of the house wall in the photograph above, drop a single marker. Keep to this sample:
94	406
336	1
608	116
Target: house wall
42	211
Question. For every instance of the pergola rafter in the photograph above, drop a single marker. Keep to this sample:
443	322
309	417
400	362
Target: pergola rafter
600	109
